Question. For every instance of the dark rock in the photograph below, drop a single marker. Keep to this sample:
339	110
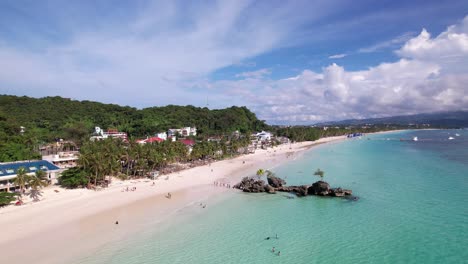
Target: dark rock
269	189
351	198
298	190
275	182
337	192
251	185
319	188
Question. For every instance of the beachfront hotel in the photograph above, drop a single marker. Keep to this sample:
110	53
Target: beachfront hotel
8	172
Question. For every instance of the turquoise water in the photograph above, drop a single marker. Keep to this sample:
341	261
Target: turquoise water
412	209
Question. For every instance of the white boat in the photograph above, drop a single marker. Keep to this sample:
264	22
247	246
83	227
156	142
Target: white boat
415	139
457	135
450	138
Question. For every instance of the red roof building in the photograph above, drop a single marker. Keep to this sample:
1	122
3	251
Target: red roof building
188	142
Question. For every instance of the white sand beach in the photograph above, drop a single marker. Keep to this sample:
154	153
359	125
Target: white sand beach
69	222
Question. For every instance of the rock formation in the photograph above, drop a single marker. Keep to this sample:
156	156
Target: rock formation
276	184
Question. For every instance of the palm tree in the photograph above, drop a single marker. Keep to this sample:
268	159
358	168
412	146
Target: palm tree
319	173
36	182
22	179
260	173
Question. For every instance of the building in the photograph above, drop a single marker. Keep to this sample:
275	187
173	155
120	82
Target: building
189	143
8	171
63	160
150	140
162	135
173	132
184	132
100	134
263	136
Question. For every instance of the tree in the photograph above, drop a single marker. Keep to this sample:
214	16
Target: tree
74	178
22	179
6	198
319	173
260	172
36	182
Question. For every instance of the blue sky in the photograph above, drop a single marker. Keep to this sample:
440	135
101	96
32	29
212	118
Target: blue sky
291	62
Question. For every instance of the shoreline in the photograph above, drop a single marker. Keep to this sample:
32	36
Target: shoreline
86	219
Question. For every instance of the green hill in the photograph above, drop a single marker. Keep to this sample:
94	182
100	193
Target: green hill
46	119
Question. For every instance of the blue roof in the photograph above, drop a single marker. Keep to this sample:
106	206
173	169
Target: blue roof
7	169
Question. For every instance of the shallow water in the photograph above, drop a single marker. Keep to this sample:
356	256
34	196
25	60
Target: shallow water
412	209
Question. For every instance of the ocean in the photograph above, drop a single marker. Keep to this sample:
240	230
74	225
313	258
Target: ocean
413	208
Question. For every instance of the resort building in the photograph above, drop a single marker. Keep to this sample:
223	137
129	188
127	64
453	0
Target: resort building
184	132
8	172
63	160
100	134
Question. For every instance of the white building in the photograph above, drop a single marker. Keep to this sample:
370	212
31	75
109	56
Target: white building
162	135
264	136
100	134
63	160
184	132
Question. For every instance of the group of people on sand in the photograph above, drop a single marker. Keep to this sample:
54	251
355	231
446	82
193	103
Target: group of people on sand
222	184
169	195
129	189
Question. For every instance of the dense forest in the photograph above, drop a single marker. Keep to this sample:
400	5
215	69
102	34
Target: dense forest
49	118
56	117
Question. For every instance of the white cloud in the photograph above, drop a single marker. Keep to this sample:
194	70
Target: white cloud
254	74
421	81
449	49
337	56
162	54
392	43
157	49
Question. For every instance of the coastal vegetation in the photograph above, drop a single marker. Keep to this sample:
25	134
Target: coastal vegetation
7	197
113	157
27	123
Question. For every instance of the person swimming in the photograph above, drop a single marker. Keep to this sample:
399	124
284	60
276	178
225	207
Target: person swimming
273	249
267	238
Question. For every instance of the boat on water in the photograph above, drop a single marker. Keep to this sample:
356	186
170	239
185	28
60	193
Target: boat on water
415	139
457	135
450	138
